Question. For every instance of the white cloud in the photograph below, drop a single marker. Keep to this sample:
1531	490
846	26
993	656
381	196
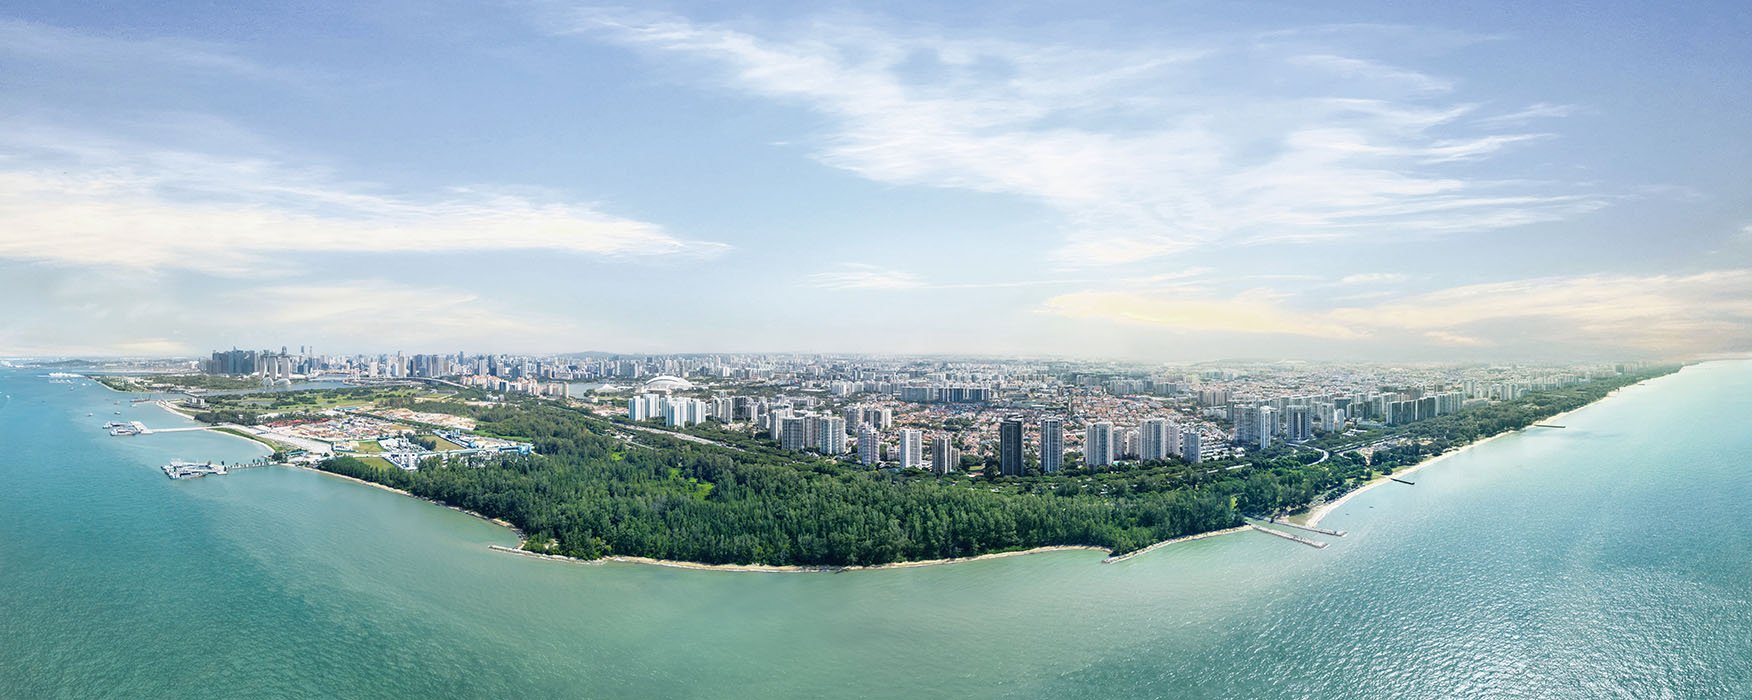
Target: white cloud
1145	152
1255	312
1653	314
75	199
380	314
76	313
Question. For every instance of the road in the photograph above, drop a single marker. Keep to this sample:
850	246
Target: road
679	436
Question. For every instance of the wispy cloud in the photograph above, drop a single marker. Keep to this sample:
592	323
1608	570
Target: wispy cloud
1660	314
1361	69
75	313
90	51
862	276
866	276
1541	110
1373	278
1255	312
78	199
1144	151
377	313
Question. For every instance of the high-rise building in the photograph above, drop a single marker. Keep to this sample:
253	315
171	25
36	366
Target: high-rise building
869	445
1247	425
1052	444
645	407
682	412
1298	423
1126	444
833	435
812	431
1098	444
1010	446
882	418
792	434
911	448
1267	418
945	457
1190	445
1154	440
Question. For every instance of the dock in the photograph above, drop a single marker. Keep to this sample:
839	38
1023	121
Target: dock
1546	425
192	470
1402	481
1288	536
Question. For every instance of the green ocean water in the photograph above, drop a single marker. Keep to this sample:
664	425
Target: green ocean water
1607	559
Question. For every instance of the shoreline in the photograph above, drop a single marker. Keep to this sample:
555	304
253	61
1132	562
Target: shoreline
1112	559
1314	515
803	569
496	521
221	430
798	568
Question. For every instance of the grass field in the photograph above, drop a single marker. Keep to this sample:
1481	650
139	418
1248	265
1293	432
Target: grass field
445	445
311	401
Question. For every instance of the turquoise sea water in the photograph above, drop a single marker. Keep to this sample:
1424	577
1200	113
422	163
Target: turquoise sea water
1607	559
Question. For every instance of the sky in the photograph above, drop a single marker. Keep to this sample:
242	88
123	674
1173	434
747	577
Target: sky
1154	181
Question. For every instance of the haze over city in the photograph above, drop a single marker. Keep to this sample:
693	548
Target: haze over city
1133	180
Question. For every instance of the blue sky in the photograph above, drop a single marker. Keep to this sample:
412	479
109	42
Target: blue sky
1157	181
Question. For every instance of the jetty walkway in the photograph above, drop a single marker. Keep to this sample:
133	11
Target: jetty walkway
1306	528
1293	538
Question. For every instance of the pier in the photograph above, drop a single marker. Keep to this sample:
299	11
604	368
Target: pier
1402	481
1307	528
1547	425
1293	538
132	428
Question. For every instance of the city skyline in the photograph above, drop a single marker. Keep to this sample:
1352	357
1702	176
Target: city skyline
1353	182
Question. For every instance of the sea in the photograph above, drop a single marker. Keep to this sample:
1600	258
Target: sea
1609	558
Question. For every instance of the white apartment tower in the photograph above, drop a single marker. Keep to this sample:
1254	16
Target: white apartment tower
1098	444
911	448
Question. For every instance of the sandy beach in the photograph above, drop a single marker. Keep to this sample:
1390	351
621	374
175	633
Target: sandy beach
793	569
765	568
1164	543
496	521
1316	514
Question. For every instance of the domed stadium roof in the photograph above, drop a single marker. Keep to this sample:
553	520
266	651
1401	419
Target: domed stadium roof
666	382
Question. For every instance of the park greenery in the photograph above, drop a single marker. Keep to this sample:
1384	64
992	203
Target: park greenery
177	382
254	408
597	489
